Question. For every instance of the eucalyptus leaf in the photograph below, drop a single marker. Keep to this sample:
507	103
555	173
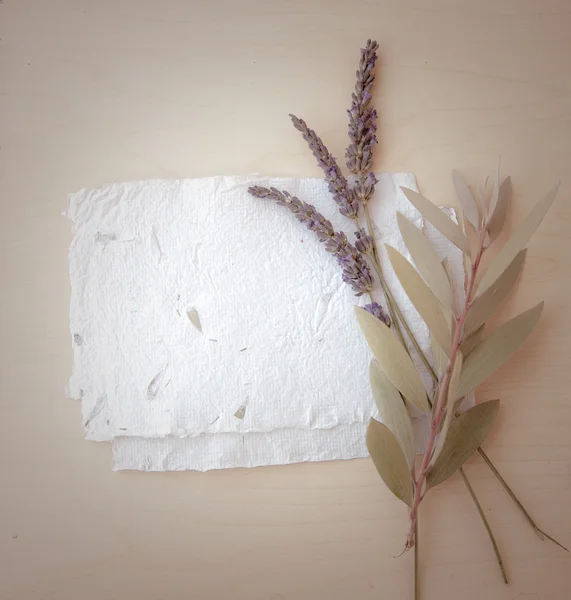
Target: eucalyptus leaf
467	200
489	199
494	350
465	434
473	238
517	241
426	260
439	219
500	210
440	357
484	306
450	314
389	460
393	359
392	410
425	302
454	379
495	193
471	341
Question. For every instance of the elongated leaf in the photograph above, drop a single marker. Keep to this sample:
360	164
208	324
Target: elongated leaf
484	306
421	297
392	410
439	219
465	434
450	405
500	210
492	352
426	260
471	341
455	379
495	193
486	197
449	315
393	358
467	201
389	460
473	237
440	357
517	241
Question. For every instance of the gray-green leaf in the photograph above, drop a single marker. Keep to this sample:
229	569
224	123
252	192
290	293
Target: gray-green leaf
439	219
500	209
484	305
425	302
467	201
517	241
426	260
465	435
493	351
495	194
393	359
440	357
470	342
389	460
392	410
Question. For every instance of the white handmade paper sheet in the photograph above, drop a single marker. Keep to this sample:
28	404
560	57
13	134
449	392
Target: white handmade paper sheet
279	372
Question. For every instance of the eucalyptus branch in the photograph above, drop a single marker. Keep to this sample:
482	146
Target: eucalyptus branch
394	309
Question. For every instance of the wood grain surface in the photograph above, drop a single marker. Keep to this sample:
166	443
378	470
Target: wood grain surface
113	90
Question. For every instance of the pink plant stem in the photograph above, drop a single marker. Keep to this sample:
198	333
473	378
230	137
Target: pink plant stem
439	409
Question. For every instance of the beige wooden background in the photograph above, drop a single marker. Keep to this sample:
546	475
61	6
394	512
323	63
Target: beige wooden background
97	91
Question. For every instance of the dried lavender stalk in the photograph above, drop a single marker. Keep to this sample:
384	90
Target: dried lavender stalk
355	269
338	186
362	126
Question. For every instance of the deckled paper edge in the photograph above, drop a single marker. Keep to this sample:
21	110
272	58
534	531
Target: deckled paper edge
206	452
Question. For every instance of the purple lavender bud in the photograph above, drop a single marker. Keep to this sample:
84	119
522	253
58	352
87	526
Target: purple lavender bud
377	311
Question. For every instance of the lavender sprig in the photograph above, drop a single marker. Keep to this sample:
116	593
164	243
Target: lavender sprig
338	185
354	266
362	126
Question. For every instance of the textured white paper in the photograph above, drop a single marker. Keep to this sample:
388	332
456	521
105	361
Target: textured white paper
279	344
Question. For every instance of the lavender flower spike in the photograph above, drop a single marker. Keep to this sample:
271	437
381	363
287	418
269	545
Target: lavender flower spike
362	126
338	186
355	269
